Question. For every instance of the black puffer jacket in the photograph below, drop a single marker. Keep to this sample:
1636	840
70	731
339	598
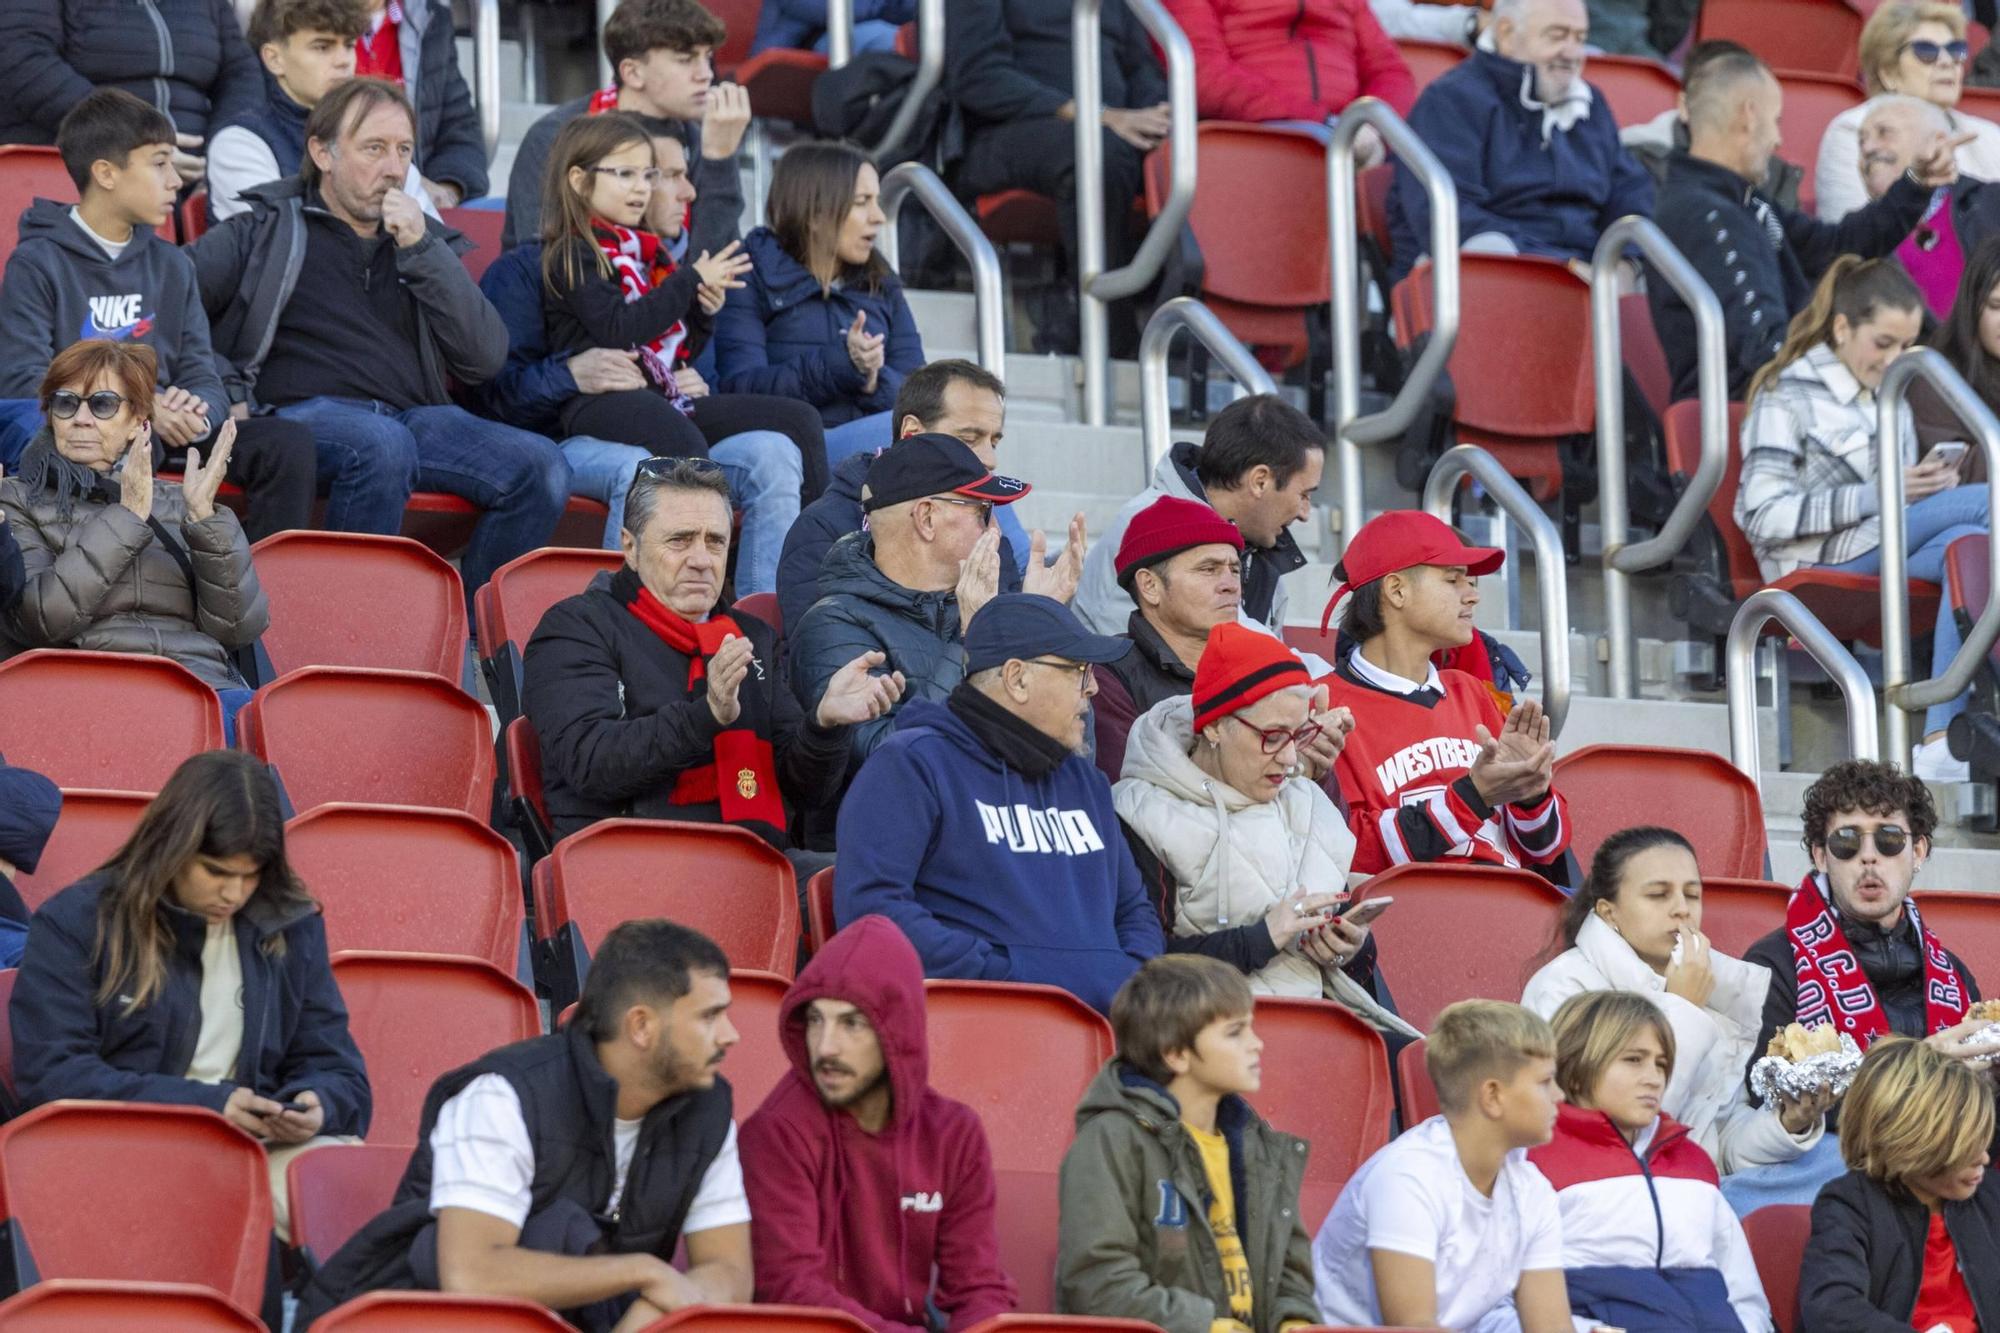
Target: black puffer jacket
1865	1260
450	146
186	57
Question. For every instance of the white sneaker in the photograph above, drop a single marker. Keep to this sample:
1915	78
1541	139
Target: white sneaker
1932	762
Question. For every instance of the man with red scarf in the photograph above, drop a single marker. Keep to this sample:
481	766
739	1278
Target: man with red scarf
648	702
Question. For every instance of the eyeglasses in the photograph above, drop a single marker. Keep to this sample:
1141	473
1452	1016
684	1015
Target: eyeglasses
1081	669
659	465
1275	738
985	507
627	175
1844	844
1928	52
104	404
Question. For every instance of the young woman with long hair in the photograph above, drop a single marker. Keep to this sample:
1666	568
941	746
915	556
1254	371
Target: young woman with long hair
1969	338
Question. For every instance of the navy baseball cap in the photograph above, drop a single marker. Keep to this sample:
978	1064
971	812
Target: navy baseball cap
1024	625
921	465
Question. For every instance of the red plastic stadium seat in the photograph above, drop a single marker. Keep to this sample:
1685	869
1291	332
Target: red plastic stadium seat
93	825
527	806
426	1311
1326	1080
758	1319
71	1305
27	173
1981	102
1637	89
982	1035
1019	217
1371	204
108	721
1811	103
1416	1096
1696	793
757	1062
513	603
1502	920
328	590
482	226
1778	1234
1792	36
1736	913
467	1008
819	910
192	1195
1427	60
337	1188
779	81
378	737
764	606
1645	360
1965	580
1968	923
419	881
1058	1323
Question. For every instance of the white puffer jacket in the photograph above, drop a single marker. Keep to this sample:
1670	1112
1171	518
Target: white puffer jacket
1232	858
1713	1044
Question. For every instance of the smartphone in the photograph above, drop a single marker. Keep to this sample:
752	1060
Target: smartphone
1362	912
1949	452
296	1108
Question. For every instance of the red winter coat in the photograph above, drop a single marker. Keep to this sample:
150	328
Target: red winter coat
1289	59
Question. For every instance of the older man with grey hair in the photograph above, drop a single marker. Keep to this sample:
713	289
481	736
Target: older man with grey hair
1897	132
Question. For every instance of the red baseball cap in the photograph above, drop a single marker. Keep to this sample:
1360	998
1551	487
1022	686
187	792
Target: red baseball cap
1402	539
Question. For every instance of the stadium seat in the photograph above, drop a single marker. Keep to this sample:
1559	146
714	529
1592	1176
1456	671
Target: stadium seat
1981	102
1736	913
1638	90
1968	922
819	910
982	1035
191	218
1792	37
1019	217
1697	793
468	1008
527	807
108	721
758	1061
481	226
7	975
328	591
1811	103
1427	60
764	606
779	81
1416	1097
1326	1080
1645	360
1778	1234
1059	1323
92	827
336	1188
436	1312
1965	581
757	1319
1504	918
722	880
378	737
71	1305
513	603
28	173
419	881
133	1191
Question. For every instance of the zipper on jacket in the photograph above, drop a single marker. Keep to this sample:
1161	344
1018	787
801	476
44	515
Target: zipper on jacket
152	12
1659	1220
1312	63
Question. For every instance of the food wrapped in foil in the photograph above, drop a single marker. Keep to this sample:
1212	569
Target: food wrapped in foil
1772	1077
1988	1036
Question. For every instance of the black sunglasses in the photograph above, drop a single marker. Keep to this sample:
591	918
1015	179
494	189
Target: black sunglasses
1844	844
657	466
104	404
1928	52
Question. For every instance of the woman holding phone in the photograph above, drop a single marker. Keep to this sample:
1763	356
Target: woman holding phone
1247	857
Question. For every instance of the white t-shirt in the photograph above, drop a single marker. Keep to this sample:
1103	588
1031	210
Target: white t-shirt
481	1159
1414	1198
219	1043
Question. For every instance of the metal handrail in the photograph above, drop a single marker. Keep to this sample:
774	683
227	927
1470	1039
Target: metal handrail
989	296
1903	695
486	71
1095	287
606	76
839	32
930	73
1551	581
1739	656
1351	429
1621	556
1184	312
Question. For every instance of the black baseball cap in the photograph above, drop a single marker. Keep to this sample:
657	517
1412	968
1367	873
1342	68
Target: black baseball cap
921	465
1024	625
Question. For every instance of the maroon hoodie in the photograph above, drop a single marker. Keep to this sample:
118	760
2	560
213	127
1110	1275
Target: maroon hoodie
858	1221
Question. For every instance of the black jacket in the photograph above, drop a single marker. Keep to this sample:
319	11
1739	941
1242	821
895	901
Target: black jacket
1865	1261
1010	60
593	311
617	722
450	145
1151	673
1709	213
13	573
188	58
294	1022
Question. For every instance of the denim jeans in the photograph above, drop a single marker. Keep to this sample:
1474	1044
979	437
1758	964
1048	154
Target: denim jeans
869	35
372	456
863	434
603	470
764	475
232	704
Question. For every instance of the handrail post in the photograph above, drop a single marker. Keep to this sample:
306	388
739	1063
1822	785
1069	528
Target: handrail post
1184	312
1351	429
1740	671
988	291
486	71
839	32
1622	558
1551	579
930	73
606	76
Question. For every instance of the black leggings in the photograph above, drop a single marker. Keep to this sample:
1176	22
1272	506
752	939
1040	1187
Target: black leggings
644	417
274	462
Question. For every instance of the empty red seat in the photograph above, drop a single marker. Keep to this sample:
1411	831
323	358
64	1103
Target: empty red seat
1645	360
72	1305
108	721
778	80
1792	36
1812	101
336	1188
1736	913
527	806
376	737
1326	1080
513	602
481	226
1778	1234
92	827
758	1319
1981	102
1427	60
1019	217
396	1311
29	172
1968	923
416	1016
352	599
764	606
758	1061
1698	794
1966	577
1416	1095
1636	89
819	910
138	1192
1499	924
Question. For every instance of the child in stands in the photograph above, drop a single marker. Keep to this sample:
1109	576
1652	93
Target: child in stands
1649	1243
1451	1226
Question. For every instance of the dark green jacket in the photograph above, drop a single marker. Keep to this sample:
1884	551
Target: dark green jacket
1135	1242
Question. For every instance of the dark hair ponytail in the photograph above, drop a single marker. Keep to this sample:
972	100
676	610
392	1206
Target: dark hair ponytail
1607	868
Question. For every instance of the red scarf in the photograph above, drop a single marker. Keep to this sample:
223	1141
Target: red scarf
606	99
378	54
642	264
1832	986
752	791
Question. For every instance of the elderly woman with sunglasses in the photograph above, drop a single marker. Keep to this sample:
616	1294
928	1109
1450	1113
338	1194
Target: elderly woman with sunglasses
1915	47
115	559
1247	858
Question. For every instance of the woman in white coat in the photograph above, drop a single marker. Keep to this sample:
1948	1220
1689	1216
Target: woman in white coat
1635	925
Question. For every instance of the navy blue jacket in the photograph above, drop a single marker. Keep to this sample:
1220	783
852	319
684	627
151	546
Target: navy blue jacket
780	335
797	24
531	388
1550	199
295	1034
450	145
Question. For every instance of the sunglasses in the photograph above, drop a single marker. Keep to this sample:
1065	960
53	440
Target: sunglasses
1844	844
985	507
1275	739
1928	52
104	404
658	465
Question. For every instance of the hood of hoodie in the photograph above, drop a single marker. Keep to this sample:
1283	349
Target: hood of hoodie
848	477
871	966
1175	473
936	717
1157	751
850	570
1120	1089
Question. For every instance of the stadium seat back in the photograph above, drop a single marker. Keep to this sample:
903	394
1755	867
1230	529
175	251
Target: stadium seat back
1285	171
481	226
1812	101
1736	913
1371	205
1967	579
375	737
1792	36
92	827
758	1319
1697	793
1981	102
1683	445
70	1305
337	1188
1416	1095
416	1016
1637	89
1427	60
757	1062
820	925
108	721
1507	917
437	1312
1967	922
1778	1234
1327	1082
28	172
192	1192
513	602
527	802
764	606
328	590
1644	358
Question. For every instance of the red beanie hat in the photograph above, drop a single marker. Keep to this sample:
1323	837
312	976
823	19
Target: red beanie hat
1238	667
1167	527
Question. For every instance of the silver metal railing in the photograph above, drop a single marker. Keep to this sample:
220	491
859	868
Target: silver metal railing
1184	312
1903	695
839	32
605	8
1551	581
1741	673
930	64
486	71
1351	429
1094	286
1623	557
989	295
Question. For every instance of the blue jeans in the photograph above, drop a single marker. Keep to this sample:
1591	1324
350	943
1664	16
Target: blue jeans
869	35
372	456
765	473
1796	1181
1932	524
861	435
603	470
232	703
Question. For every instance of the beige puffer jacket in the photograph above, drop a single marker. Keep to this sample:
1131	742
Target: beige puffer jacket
101	580
1232	858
